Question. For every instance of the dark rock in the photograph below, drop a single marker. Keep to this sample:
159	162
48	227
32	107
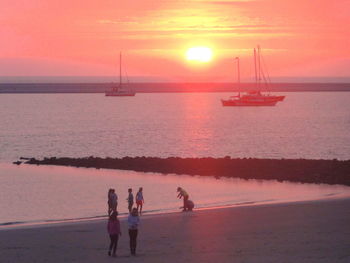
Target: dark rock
293	170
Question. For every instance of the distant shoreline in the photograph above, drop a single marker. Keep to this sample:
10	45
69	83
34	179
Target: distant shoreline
164	87
292	170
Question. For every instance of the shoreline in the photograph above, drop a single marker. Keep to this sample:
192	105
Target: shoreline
292	170
123	216
297	232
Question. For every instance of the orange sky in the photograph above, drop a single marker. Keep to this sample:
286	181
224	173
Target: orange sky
300	38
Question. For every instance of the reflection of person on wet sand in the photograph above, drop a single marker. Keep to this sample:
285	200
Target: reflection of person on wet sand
184	194
139	200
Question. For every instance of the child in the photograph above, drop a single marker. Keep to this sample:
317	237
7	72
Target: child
133	222
130	199
113	228
139	200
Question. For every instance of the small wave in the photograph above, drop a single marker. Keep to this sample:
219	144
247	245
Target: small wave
12	223
76	219
331	194
122	216
48	221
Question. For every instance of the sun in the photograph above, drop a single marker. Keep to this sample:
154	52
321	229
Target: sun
199	54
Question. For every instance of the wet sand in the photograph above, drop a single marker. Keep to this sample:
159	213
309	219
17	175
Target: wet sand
317	231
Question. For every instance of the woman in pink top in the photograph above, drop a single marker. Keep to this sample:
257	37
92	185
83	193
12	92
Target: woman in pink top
113	228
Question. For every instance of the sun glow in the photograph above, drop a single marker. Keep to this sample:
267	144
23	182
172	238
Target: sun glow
199	54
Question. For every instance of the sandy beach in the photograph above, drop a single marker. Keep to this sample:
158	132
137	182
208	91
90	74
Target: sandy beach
317	231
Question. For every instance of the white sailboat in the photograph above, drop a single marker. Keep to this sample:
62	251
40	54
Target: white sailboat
255	97
122	89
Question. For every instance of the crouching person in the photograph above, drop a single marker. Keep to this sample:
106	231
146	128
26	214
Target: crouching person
183	194
189	205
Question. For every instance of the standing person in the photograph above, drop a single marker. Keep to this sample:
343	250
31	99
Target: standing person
113	228
184	194
133	222
139	200
130	199
112	201
109	202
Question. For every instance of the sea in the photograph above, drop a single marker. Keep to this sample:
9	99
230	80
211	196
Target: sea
312	125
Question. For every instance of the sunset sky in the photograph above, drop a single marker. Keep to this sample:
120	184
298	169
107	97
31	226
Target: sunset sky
299	38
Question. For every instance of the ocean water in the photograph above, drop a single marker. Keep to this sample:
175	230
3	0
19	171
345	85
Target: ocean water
306	125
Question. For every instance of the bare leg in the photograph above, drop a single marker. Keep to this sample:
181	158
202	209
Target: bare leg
185	203
130	207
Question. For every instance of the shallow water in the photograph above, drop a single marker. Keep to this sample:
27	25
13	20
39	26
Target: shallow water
38	193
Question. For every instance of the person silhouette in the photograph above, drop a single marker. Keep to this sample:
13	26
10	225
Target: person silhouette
113	228
130	200
133	223
112	201
139	200
184	194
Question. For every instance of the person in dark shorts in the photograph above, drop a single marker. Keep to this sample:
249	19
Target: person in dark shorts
133	223
189	205
113	229
130	200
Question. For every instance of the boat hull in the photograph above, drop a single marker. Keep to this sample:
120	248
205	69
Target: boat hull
280	98
248	103
119	94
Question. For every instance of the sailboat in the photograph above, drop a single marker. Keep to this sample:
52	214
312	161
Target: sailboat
255	97
122	89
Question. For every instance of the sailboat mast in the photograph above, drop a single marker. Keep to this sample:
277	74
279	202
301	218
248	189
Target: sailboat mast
259	67
238	76
256	73
238	71
120	68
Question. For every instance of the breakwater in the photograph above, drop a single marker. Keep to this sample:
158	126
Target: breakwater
292	170
139	87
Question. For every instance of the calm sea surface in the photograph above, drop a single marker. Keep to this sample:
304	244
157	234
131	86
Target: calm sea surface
305	125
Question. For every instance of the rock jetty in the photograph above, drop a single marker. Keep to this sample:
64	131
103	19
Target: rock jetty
292	170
